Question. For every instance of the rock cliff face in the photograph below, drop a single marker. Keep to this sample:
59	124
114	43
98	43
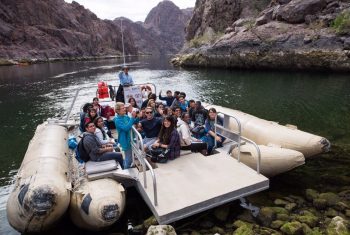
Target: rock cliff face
46	30
55	29
281	34
163	31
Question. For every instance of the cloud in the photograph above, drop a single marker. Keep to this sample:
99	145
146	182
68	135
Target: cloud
136	10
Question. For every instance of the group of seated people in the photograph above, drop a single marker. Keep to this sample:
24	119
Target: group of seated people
177	124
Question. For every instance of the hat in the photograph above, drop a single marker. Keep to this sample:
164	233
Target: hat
127	105
125	67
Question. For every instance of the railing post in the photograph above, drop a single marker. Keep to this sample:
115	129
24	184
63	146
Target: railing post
140	154
71	106
240	137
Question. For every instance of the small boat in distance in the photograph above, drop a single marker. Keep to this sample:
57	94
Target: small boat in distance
50	178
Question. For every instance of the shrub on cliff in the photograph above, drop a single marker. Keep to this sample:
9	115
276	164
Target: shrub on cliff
342	23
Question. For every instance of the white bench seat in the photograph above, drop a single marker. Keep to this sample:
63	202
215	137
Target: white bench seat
92	167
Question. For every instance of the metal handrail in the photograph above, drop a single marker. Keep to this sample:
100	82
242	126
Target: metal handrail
137	149
155	197
239	132
141	84
239	138
71	106
257	150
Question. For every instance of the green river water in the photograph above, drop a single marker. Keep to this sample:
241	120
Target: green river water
315	102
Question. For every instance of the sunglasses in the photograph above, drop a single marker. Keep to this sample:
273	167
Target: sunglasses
148	112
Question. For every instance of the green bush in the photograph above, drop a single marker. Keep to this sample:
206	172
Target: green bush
341	23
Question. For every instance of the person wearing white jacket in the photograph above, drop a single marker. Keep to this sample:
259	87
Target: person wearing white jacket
184	130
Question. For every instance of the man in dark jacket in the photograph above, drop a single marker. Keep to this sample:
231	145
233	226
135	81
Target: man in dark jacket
169	98
98	152
151	126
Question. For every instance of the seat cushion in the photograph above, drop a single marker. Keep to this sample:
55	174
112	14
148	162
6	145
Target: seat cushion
92	167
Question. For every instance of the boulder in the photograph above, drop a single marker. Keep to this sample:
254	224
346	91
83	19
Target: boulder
311	194
330	212
331	198
290	206
320	203
161	230
246	229
246	216
341	206
292	228
306	229
297	199
283	217
150	221
266	16
280	202
310	220
295	11
239	223
279	210
276	224
338	226
266	216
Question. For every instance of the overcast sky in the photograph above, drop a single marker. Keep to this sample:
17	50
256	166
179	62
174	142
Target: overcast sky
135	10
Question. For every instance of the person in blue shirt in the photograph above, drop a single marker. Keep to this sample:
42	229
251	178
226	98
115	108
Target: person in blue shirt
183	104
125	79
123	124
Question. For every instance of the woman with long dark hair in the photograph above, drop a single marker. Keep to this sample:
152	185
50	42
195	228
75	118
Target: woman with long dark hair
91	115
102	132
133	103
211	136
169	138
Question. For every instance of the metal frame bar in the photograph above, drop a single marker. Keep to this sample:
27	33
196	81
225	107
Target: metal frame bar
141	84
137	149
257	150
71	106
239	131
240	137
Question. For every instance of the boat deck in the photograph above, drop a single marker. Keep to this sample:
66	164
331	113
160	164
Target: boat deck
191	184
194	183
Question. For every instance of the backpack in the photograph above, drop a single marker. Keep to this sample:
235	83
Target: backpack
82	155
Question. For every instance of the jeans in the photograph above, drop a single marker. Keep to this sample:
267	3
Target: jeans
147	142
211	142
112	156
128	159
